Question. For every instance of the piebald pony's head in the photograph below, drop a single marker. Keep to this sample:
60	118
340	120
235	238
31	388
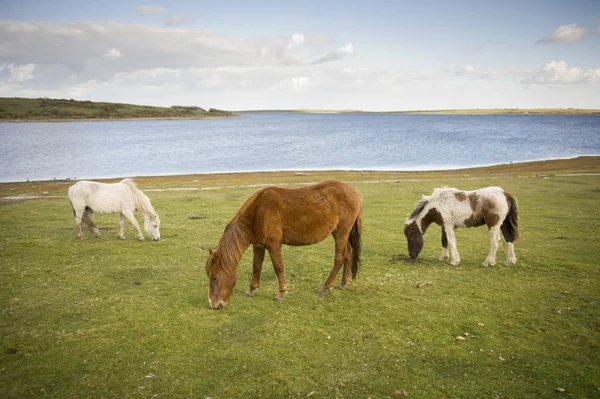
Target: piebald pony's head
412	229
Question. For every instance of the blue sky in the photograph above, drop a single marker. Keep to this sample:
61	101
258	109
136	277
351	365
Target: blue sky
369	55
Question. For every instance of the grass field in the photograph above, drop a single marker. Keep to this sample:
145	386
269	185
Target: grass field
47	109
125	319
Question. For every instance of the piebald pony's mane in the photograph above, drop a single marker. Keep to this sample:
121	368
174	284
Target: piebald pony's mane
235	239
426	199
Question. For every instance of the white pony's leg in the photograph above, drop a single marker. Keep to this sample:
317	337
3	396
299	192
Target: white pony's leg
78	217
129	215
494	244
121	233
511	258
452	244
87	218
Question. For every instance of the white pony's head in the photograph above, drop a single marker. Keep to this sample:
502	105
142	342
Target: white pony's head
152	226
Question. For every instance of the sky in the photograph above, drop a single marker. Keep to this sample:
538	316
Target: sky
336	55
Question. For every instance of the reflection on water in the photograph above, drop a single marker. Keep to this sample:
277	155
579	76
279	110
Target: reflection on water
287	141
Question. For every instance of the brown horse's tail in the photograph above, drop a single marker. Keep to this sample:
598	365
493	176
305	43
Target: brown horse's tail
355	242
510	225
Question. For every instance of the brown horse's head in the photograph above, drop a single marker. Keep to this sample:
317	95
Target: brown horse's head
221	280
415	240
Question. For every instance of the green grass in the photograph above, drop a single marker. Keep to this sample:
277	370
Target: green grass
110	318
14	109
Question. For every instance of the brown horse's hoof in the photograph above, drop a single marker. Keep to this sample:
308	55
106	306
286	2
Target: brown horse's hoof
248	293
278	299
323	291
341	286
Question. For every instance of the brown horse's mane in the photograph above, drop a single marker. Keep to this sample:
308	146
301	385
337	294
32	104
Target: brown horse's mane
235	239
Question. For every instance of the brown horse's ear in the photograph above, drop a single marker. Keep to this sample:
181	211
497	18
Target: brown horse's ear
210	252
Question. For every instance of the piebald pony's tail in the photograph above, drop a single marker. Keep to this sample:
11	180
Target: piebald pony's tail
510	225
355	242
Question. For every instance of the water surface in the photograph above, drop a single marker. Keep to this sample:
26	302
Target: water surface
287	141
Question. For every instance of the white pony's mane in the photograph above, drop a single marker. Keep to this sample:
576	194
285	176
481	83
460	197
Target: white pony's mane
142	202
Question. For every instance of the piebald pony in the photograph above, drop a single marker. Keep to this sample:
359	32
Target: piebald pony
452	208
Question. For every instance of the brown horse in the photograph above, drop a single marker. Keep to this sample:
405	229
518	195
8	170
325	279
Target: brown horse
274	216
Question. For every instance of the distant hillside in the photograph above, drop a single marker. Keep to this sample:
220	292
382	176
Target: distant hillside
46	109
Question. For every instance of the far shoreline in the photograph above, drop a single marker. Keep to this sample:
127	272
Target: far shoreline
492	111
585	164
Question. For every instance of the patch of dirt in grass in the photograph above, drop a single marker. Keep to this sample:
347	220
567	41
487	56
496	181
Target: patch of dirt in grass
403	258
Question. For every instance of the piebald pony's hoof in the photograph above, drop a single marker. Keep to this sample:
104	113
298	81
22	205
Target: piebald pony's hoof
455	262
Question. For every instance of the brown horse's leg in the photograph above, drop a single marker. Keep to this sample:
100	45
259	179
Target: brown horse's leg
346	277
277	260
259	256
341	240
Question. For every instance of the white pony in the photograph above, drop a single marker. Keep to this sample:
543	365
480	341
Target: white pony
87	197
452	208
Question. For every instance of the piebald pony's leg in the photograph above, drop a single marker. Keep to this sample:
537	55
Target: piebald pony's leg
452	242
129	215
511	258
257	263
121	234
444	254
494	244
277	261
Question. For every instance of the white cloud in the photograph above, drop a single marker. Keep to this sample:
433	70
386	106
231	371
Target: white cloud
177	20
560	73
460	70
149	10
335	55
147	47
112	54
14	75
565	34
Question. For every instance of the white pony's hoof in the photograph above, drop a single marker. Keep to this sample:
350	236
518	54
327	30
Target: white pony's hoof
489	263
141	238
121	237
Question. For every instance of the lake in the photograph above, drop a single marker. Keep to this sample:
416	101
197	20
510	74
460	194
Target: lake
287	141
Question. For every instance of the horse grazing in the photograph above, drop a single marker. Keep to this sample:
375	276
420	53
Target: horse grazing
87	197
452	208
274	216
